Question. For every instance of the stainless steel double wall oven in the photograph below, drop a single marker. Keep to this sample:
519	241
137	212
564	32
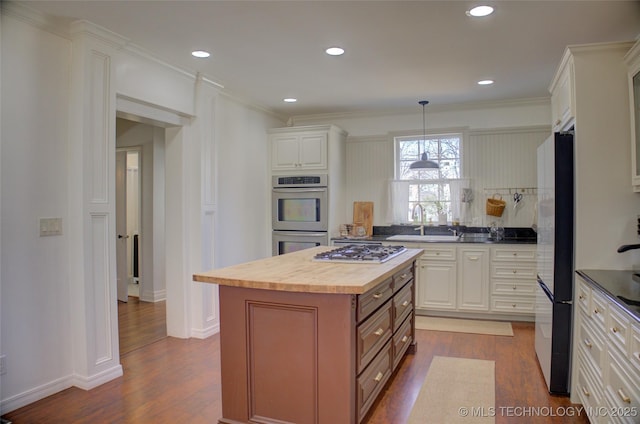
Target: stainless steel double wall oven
299	212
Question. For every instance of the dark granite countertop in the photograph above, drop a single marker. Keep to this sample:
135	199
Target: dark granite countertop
621	287
469	234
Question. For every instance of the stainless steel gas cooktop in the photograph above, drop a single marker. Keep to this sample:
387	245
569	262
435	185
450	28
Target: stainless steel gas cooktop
360	253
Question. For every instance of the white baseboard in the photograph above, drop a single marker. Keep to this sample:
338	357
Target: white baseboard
90	382
35	394
156	296
203	333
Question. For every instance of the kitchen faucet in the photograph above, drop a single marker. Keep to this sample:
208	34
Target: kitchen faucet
413	215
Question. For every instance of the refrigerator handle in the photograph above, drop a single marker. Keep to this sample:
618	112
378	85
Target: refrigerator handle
545	289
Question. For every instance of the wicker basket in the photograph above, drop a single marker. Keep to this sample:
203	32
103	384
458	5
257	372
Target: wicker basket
495	205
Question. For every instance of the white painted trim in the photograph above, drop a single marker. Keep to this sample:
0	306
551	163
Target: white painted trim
156	296
97	379
35	394
147	113
203	333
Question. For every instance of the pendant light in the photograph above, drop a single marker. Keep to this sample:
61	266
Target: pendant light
424	161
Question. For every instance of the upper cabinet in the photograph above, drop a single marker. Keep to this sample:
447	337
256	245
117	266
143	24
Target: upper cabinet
299	151
633	62
305	148
562	95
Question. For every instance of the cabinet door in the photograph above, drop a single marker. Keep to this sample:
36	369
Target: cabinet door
313	151
562	104
284	152
473	279
437	285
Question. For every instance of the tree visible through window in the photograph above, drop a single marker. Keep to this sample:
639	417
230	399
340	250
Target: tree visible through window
429	187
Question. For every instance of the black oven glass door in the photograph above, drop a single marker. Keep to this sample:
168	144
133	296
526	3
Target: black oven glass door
300	209
292	241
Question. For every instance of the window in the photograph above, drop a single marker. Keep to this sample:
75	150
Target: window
429	187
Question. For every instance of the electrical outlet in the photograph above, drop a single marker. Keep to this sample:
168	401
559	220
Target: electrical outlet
3	364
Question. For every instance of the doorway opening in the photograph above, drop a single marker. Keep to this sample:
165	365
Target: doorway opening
140	234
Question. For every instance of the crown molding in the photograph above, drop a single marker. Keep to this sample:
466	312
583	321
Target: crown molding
35	18
453	107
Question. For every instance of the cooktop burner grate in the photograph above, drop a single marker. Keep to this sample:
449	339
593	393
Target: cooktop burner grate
360	253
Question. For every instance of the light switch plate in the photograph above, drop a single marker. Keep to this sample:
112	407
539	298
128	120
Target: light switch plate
50	227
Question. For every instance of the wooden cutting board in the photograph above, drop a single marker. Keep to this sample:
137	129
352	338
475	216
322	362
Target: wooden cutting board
363	213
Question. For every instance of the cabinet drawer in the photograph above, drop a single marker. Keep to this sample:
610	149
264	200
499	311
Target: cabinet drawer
589	392
373	334
513	270
591	346
402	305
402	277
583	296
618	328
371	300
513	304
622	390
514	254
401	340
635	348
517	288
373	379
598	311
439	253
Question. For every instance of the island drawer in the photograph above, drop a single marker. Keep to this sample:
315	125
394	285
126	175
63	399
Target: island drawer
373	334
374	298
402	305
402	340
373	379
402	277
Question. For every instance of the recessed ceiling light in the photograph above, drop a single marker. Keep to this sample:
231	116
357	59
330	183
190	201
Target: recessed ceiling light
479	11
200	53
485	82
334	51
289	100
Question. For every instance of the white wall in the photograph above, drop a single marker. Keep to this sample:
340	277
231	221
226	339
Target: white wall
47	351
499	142
35	290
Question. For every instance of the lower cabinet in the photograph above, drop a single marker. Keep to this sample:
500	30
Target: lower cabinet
497	281
384	336
607	355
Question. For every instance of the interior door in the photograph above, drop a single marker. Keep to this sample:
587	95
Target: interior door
121	225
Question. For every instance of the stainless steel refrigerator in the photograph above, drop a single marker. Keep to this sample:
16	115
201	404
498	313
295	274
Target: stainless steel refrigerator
555	227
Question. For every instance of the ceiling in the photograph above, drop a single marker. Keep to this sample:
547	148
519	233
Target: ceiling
397	52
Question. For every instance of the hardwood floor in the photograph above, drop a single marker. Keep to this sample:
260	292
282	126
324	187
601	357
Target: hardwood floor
174	380
140	323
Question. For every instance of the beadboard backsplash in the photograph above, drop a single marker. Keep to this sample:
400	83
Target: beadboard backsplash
499	161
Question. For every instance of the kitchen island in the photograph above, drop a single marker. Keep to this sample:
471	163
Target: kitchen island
305	341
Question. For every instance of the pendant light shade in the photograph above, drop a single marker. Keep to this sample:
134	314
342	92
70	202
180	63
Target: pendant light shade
424	161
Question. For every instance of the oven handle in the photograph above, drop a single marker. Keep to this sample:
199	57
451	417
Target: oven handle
298	190
298	234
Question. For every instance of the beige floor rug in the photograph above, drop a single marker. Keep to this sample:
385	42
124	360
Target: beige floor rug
456	390
495	328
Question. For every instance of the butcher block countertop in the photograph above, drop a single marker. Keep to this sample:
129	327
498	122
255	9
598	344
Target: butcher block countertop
298	272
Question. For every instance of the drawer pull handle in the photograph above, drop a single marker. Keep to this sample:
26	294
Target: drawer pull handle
514	287
585	391
378	377
515	254
473	258
403	276
587	343
638	355
614	329
404	339
596	311
581	297
377	295
379	332
623	397
437	253
405	303
514	305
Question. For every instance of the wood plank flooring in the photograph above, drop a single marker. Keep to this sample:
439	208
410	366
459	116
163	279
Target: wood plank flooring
140	323
173	380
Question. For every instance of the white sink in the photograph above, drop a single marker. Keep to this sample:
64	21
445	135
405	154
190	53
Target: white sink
419	238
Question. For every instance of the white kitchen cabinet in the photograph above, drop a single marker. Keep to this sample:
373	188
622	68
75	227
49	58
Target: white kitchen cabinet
562	95
313	148
633	63
513	280
299	151
607	357
473	279
437	277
